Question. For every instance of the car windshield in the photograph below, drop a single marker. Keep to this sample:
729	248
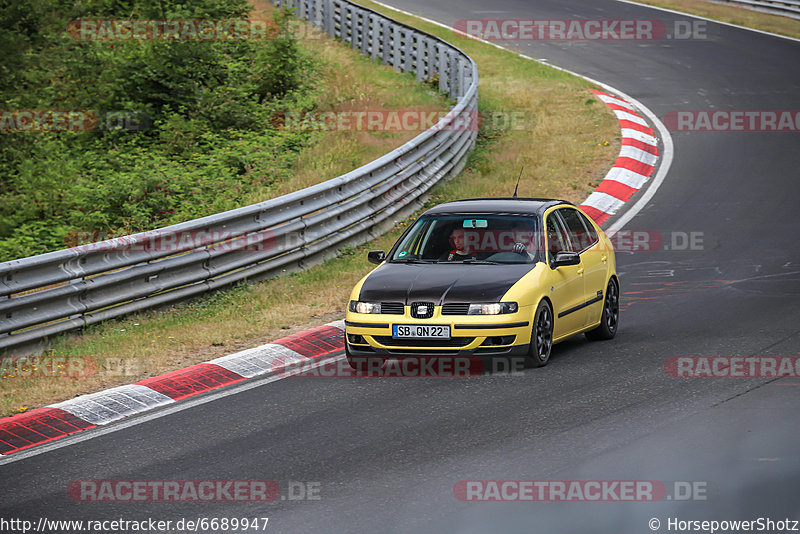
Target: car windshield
469	239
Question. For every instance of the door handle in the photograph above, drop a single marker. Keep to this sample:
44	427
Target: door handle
604	258
580	270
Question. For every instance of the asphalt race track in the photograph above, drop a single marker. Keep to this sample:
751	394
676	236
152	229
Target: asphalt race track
386	454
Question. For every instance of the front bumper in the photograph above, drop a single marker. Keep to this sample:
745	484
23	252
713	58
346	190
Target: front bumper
497	335
394	352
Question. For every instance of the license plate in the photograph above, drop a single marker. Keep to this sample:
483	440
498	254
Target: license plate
420	331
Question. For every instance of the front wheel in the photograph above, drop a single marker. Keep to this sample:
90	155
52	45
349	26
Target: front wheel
541	336
609	321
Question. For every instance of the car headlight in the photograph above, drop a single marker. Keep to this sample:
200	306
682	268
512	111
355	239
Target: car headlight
364	307
495	308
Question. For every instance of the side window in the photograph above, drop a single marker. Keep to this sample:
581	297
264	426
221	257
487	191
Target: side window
556	235
591	233
581	237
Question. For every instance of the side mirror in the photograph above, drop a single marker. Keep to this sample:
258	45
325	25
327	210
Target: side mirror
565	258
376	256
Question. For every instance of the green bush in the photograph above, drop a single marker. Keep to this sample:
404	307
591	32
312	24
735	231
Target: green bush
209	140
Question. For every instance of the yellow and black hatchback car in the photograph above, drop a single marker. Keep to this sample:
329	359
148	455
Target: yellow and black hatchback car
491	277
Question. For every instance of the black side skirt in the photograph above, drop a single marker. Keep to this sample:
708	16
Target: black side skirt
598	298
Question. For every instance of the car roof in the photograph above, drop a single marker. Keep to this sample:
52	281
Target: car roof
530	206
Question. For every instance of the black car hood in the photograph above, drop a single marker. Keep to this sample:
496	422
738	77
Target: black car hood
441	283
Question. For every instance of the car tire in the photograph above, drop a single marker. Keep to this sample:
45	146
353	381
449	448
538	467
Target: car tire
541	336
609	321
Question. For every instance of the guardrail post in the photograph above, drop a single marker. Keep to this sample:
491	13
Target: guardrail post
366	32
355	35
422	48
397	49
466	75
375	37
409	54
327	17
386	43
455	76
316	18
443	60
337	15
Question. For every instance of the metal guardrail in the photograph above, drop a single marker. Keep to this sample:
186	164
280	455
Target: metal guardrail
788	8
53	293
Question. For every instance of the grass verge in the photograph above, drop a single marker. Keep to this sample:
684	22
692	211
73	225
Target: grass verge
733	14
349	81
563	137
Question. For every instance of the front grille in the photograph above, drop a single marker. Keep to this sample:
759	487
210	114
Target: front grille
422	310
455	308
456	342
392	308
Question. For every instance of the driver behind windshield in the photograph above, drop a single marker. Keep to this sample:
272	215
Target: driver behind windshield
458	248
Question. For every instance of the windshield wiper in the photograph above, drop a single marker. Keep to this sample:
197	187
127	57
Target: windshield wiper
481	262
412	260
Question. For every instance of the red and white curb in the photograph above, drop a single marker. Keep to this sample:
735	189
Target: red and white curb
56	421
635	164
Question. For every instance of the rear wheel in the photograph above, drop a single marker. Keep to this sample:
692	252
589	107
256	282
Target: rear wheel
541	336
609	321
